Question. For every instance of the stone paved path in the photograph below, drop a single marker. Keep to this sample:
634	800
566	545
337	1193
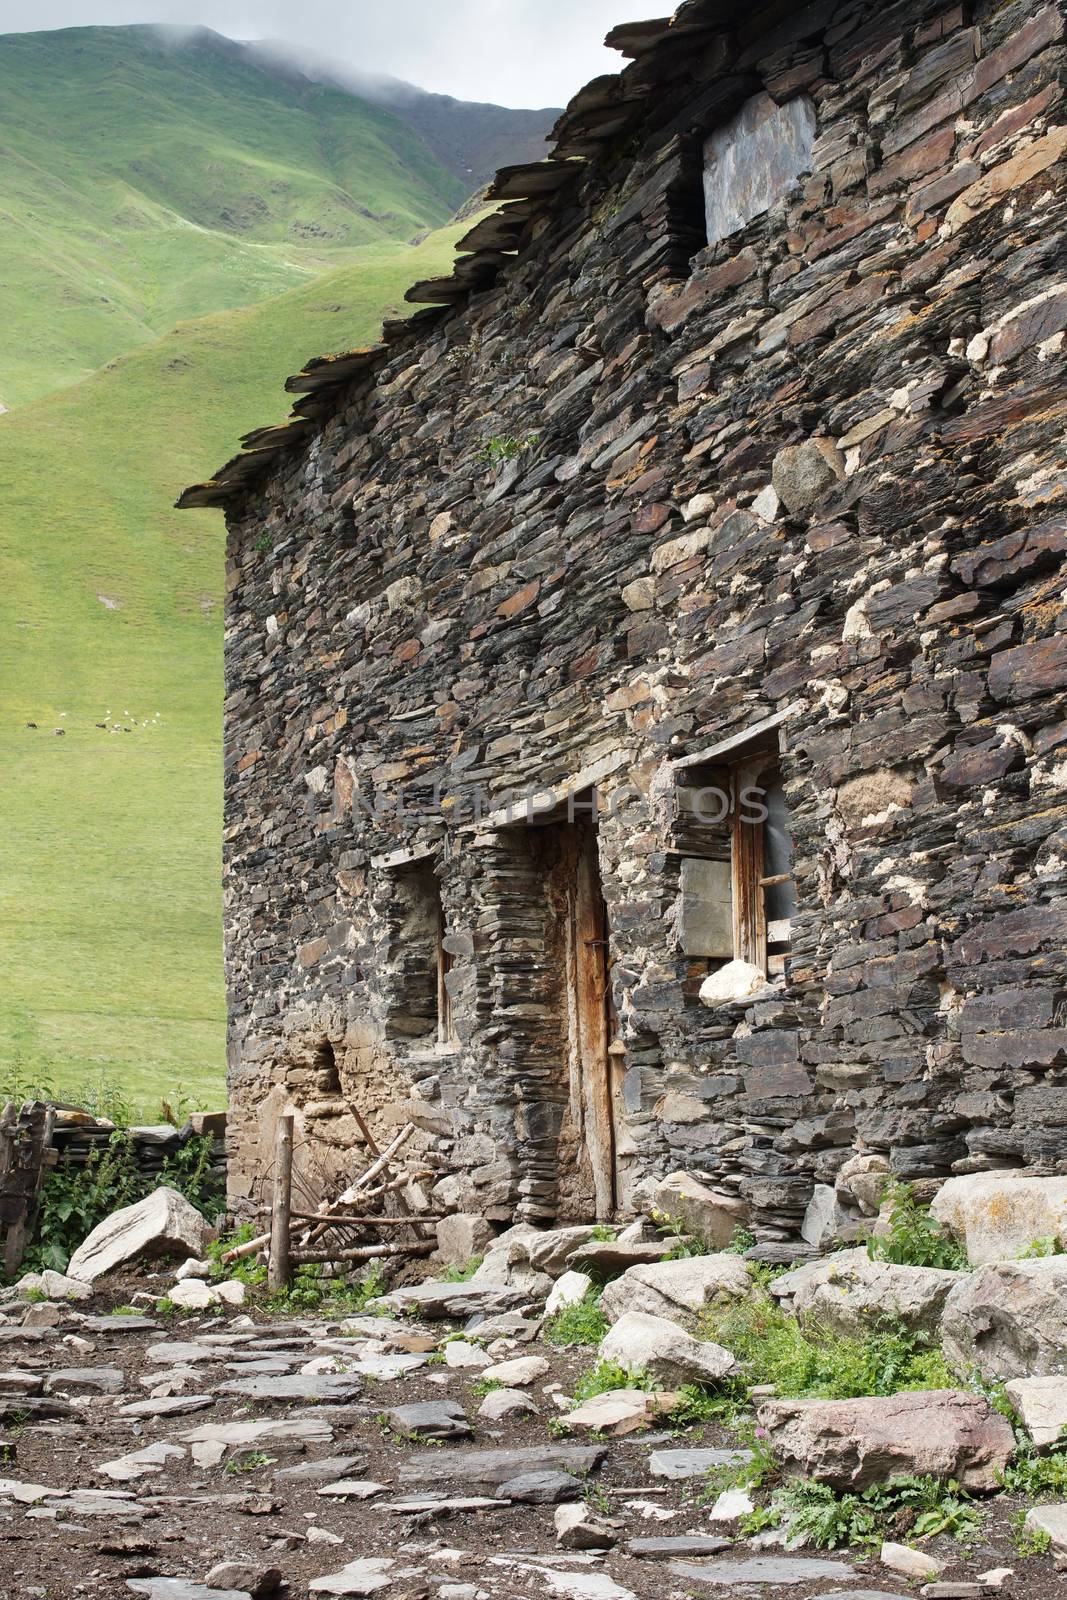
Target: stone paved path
310	1457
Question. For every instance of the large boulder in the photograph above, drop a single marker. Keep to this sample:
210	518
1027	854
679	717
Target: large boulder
163	1224
642	1343
712	1216
850	1444
851	1294
998	1216
1009	1319
677	1288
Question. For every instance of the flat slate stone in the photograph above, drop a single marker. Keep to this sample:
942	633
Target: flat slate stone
119	1325
540	1488
437	1298
296	1386
681	1544
171	1405
185	1352
182	1589
762	1569
436	1503
327	1470
433	1419
693	1463
866	1594
99	1380
495	1467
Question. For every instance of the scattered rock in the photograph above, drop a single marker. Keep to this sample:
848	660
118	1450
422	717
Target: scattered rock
850	1444
458	1353
912	1563
763	1569
1009	1319
502	1403
1051	1520
734	981
56	1285
606	1257
618	1411
998	1216
462	1236
569	1290
258	1581
85	1380
518	1373
141	1463
711	1216
672	1288
731	1506
1041	1406
494	1467
327	1469
693	1463
432	1419
439	1299
162	1224
337	1386
182	1589
849	1292
680	1545
176	1405
351	1489
362	1577
577	1528
639	1342
539	1488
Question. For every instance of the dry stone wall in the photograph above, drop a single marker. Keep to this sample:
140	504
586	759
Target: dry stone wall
634	498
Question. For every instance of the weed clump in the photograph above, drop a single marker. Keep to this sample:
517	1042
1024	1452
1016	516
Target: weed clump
582	1323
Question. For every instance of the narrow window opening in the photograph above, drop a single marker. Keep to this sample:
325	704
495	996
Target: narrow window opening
327	1076
420	999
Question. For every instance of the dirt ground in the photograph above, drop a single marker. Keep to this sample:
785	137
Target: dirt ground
181	1518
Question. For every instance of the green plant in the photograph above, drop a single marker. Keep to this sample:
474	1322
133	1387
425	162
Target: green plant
914	1239
248	1461
166	1307
812	1361
595	1495
483	1386
34	1296
741	1241
1036	1477
604	1233
246	1268
922	1505
581	1323
608	1375
1042	1247
1028	1542
127	1311
262	544
686	1243
464	1273
75	1198
506	446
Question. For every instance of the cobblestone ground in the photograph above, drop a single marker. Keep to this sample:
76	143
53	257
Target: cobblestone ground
148	1456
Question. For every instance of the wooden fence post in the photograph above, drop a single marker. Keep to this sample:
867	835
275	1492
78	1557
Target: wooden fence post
279	1266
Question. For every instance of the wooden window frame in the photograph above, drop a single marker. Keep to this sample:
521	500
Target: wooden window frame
752	934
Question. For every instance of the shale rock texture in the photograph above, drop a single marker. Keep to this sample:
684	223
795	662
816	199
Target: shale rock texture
620	501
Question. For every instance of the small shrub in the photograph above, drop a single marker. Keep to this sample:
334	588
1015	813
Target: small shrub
462	1274
608	1375
1039	1248
1028	1542
685	1244
741	1241
506	446
922	1505
808	1361
914	1238
249	1461
582	1323
1036	1477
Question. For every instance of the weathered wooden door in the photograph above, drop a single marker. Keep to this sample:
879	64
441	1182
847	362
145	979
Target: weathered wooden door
590	1015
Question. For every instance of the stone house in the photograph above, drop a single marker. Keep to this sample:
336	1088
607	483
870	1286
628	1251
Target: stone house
646	669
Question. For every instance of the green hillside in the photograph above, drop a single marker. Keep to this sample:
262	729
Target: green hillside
145	182
110	962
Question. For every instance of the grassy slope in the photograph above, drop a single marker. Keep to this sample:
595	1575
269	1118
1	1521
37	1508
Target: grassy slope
110	969
141	185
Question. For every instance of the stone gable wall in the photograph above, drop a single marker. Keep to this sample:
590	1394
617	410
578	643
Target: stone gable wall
817	466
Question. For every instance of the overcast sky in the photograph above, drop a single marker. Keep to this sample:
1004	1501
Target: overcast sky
514	52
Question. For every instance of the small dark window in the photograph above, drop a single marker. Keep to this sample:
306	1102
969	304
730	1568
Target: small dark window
327	1077
421	1003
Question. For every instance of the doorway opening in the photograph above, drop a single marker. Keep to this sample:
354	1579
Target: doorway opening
577	1093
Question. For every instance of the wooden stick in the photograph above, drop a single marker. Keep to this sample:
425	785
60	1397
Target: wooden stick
356	1219
279	1266
249	1248
365	1252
